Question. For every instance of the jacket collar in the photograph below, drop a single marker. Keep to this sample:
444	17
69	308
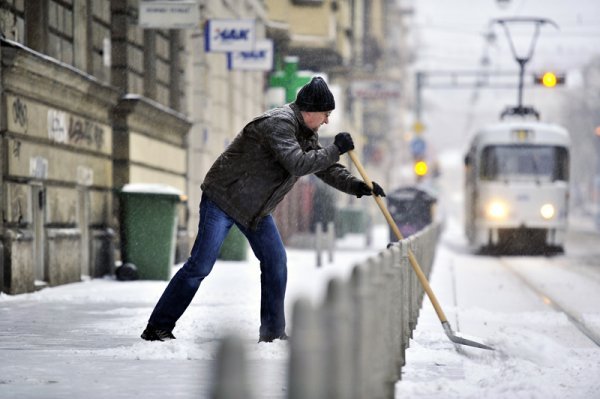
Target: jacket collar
304	130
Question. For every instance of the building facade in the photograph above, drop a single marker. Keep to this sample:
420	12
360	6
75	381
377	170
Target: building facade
90	102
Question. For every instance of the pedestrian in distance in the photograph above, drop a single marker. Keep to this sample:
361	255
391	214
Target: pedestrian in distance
243	187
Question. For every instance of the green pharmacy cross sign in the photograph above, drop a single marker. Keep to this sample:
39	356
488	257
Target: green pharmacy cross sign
289	78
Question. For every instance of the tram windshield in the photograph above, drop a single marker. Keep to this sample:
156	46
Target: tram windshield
524	162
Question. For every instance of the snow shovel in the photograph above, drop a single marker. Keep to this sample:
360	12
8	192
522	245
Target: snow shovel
415	264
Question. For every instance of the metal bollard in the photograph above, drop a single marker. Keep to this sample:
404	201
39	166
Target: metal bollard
389	351
363	331
338	324
331	240
418	250
413	294
393	283
406	278
231	381
377	309
306	379
393	273
318	241
397	301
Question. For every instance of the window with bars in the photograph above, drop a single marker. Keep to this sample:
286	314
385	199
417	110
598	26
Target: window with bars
60	30
12	20
163	66
100	45
84	35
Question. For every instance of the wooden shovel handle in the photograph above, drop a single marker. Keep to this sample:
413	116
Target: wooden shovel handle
411	257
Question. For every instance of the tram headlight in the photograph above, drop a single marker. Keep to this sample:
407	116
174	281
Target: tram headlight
547	211
496	210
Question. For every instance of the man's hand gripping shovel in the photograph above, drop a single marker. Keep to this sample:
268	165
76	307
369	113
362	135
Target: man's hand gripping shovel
415	265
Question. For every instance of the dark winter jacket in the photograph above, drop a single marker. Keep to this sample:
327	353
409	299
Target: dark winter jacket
264	161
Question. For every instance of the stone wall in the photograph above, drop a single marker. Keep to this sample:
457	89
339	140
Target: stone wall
57	173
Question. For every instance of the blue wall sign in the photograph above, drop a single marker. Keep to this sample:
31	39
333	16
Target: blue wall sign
225	35
258	59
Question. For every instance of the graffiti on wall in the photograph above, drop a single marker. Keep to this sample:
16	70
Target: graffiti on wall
62	126
57	126
38	167
16	151
19	110
85	132
69	129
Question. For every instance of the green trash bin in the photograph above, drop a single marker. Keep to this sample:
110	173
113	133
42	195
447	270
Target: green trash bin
148	221
235	246
350	220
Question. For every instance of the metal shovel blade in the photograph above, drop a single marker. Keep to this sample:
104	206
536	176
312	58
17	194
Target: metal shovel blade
460	340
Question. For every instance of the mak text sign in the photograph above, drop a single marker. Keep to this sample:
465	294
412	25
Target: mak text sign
225	35
169	14
258	59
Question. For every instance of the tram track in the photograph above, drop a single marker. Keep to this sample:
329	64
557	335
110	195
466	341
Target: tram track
551	301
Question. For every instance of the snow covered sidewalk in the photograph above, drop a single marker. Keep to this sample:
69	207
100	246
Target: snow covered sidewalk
82	340
539	352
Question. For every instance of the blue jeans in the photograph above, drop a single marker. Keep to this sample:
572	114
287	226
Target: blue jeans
268	247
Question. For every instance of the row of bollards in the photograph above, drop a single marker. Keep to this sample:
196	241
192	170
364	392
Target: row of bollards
353	344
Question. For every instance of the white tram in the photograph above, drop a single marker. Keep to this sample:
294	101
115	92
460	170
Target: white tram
517	187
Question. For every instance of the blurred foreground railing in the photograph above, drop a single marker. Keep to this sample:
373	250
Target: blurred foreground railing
353	344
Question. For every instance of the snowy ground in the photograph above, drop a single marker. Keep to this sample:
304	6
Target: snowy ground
82	340
539	352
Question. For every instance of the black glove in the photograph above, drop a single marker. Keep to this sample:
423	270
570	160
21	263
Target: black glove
377	190
364	189
343	141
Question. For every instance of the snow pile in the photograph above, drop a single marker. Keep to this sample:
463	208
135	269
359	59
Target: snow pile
539	352
525	364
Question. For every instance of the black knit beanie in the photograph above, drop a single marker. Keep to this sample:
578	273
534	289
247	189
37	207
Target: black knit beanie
315	96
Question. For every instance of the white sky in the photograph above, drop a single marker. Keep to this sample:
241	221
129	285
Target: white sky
451	32
449	36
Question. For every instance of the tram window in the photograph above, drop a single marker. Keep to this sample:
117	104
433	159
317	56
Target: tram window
562	165
524	162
